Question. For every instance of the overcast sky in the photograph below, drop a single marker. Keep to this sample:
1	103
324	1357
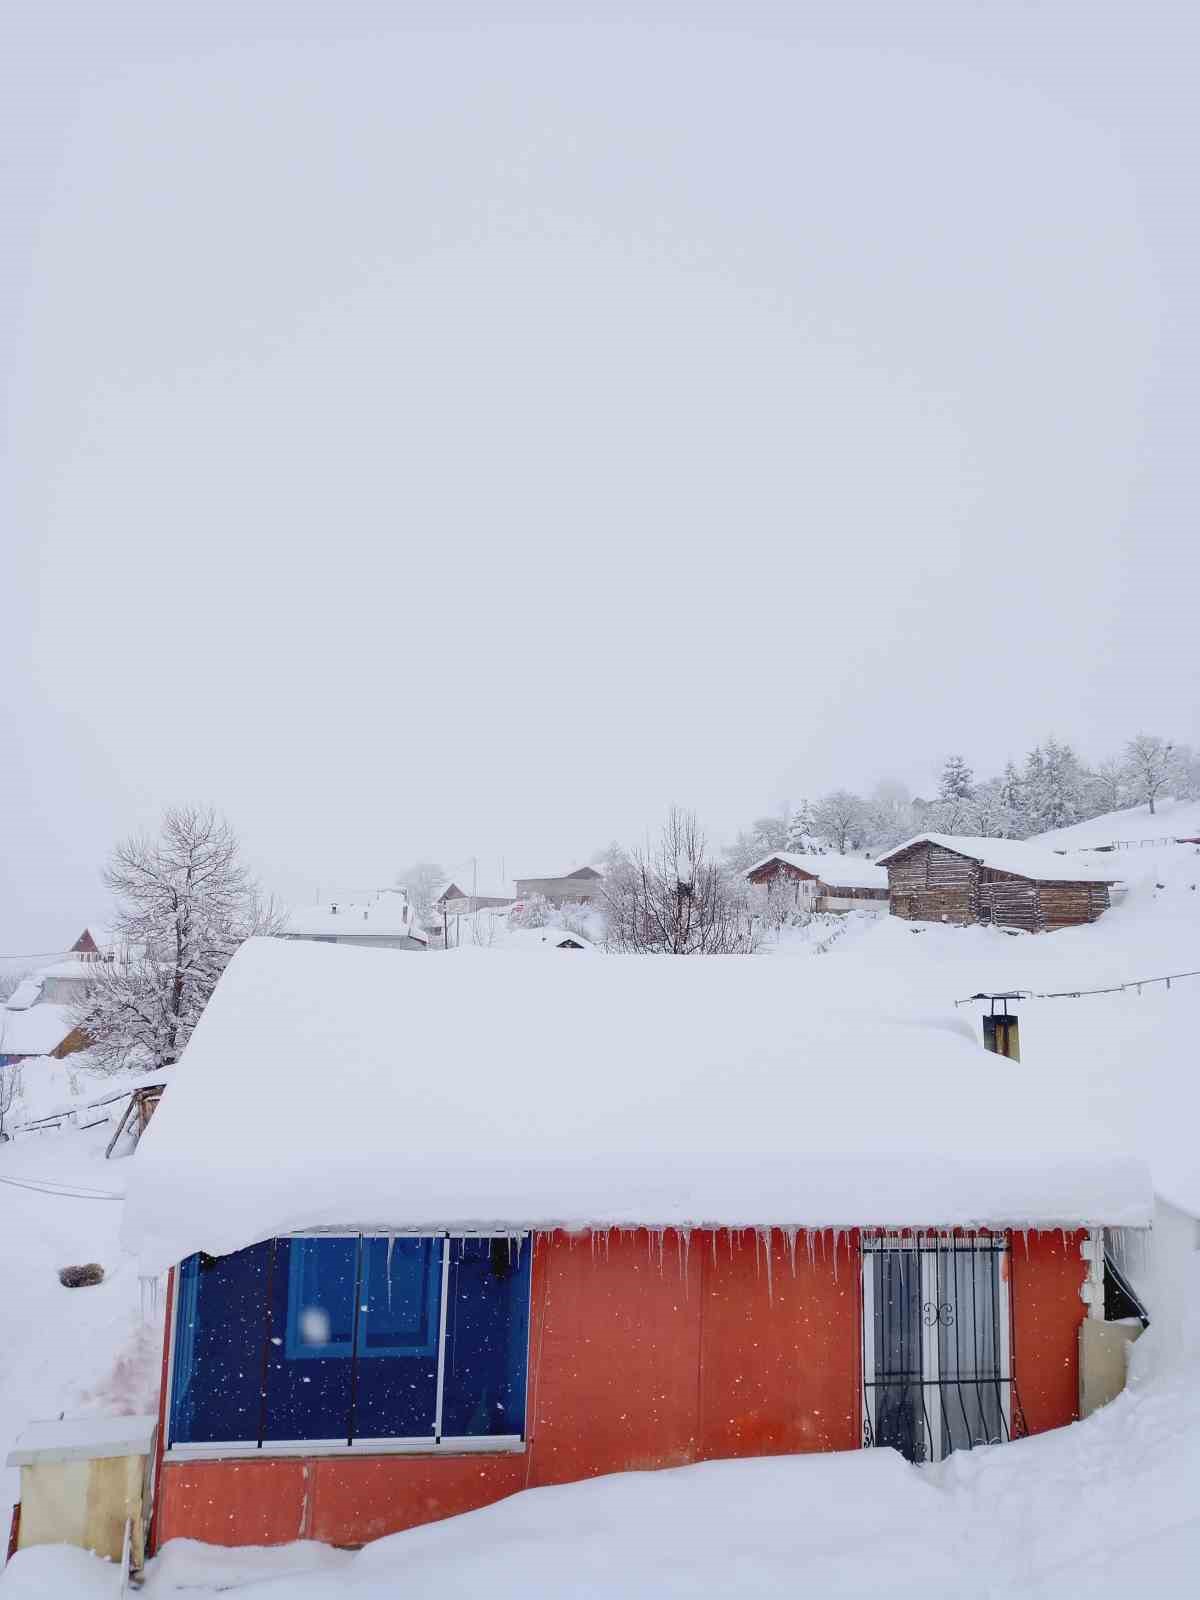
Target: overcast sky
448	429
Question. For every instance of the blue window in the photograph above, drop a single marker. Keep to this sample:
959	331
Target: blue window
220	1314
335	1338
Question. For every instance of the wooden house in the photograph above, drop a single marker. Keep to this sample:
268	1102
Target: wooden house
947	878
822	882
580	883
630	1249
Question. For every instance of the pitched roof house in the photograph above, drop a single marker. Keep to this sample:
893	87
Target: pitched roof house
940	877
581	883
826	882
680	1240
388	922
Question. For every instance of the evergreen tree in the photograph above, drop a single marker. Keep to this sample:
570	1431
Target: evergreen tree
957	781
802	837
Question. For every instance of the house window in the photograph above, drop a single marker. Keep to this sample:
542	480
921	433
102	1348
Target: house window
937	1371
336	1339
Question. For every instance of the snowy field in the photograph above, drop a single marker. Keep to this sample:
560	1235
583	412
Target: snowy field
1112	1503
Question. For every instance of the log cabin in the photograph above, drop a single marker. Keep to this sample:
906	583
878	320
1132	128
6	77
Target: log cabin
470	1281
1006	882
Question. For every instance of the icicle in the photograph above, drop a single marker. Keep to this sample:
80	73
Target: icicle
683	1239
789	1234
390	1248
766	1235
148	1297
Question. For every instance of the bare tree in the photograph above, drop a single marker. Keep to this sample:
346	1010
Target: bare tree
185	902
672	899
1149	762
840	818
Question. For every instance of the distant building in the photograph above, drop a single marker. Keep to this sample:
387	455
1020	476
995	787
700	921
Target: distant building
582	883
386	923
940	877
457	901
822	883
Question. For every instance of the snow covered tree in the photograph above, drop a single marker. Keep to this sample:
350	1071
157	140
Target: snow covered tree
422	880
986	812
673	899
801	836
535	912
841	819
1109	785
762	838
1060	792
185	902
10	1087
1012	797
957	781
1149	762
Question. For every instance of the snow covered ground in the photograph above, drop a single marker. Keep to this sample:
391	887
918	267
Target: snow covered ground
1111	1503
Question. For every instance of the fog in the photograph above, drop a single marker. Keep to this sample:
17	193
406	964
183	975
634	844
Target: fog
465	430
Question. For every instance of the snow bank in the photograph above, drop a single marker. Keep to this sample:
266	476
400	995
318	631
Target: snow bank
328	1086
1107	1506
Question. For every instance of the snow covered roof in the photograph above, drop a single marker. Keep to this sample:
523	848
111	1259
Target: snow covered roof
389	915
27	993
839	872
633	1090
1013	855
34	1032
542	939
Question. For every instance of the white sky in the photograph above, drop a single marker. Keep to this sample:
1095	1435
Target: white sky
441	429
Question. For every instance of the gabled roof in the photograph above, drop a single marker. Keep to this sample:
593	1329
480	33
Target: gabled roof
839	872
1022	859
585	872
628	1090
85	945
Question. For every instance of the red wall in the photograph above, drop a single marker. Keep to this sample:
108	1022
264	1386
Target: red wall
1047	1275
642	1354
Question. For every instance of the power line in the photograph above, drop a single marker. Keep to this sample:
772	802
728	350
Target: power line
65	1191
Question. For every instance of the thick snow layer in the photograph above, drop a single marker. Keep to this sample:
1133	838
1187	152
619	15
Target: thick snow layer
1105	1507
34	1032
840	872
27	993
389	915
1017	856
328	1086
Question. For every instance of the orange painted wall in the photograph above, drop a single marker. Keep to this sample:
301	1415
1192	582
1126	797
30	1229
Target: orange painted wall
641	1355
1047	1276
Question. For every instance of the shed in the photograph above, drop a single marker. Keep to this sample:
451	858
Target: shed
822	882
670	1236
940	877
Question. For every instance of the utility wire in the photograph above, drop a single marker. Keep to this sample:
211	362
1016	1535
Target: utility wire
1075	994
66	1191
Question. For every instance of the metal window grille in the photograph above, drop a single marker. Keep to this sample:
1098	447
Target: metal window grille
937	1343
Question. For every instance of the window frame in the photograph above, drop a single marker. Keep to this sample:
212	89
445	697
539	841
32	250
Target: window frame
426	1444
928	1244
